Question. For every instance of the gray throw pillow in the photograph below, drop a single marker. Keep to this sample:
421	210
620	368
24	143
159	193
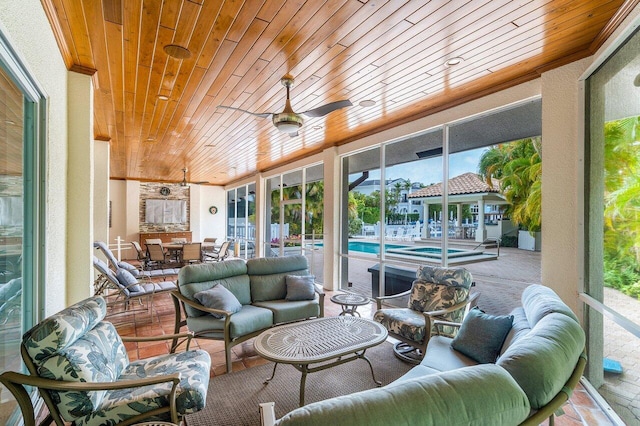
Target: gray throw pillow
218	297
481	335
300	287
125	278
129	267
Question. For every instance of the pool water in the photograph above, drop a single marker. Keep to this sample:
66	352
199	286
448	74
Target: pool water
373	248
405	251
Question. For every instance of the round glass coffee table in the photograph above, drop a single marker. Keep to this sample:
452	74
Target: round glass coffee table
349	302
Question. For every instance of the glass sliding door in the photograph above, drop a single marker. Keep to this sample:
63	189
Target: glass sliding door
22	110
612	283
434	203
313	236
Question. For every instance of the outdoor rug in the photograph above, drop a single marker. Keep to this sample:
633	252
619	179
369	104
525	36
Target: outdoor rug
233	399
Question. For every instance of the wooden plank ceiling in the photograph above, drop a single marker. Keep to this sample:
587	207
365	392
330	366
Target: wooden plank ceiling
160	113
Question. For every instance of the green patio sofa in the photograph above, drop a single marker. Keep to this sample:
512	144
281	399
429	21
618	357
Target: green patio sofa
259	285
539	364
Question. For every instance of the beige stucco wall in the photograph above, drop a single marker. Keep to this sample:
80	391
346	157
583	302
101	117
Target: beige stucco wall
25	25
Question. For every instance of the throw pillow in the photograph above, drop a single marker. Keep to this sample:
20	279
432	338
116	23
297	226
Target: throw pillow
218	297
300	287
125	278
481	335
129	267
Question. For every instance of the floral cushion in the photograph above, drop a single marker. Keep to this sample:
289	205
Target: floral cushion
75	345
404	322
426	297
119	405
62	329
98	356
434	289
458	277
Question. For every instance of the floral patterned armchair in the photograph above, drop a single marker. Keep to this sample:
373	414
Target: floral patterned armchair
438	296
81	368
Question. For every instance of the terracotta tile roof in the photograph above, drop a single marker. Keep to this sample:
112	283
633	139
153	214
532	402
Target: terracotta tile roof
468	183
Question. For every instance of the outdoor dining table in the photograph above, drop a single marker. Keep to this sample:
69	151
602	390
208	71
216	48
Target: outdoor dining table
175	249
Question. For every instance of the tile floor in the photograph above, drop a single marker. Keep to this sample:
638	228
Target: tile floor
581	409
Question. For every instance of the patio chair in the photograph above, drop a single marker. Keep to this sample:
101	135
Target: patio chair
208	244
79	365
127	287
437	294
217	255
111	258
141	254
191	253
158	257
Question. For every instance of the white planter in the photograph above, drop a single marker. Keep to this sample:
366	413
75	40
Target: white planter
526	241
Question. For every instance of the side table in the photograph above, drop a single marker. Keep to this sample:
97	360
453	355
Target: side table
349	302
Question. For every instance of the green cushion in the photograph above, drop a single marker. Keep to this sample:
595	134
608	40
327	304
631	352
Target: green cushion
268	274
542	361
538	301
231	274
248	320
287	311
449	398
481	335
275	265
211	271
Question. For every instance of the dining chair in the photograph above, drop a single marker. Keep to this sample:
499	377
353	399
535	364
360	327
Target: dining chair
191	253
218	255
157	256
208	245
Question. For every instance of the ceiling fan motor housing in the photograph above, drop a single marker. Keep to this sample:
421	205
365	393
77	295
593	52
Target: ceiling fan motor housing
288	122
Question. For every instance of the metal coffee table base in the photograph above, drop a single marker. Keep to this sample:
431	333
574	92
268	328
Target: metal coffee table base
305	369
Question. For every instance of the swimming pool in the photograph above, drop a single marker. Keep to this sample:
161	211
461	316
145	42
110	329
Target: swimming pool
401	250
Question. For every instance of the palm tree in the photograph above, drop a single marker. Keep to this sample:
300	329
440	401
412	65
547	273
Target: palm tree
518	166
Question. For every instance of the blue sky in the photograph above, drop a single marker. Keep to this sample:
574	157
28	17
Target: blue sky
430	170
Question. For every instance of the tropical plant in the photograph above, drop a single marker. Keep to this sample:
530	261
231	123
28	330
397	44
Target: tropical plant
622	206
518	167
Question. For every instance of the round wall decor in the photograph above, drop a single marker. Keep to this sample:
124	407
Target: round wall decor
213	210
165	191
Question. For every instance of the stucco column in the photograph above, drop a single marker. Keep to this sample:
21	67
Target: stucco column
331	219
101	192
562	172
459	217
481	232
426	233
80	187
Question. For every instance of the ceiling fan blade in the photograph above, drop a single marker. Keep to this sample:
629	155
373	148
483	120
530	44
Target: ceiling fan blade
262	114
323	110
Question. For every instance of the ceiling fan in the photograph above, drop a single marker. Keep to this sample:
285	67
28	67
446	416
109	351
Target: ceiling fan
289	121
184	179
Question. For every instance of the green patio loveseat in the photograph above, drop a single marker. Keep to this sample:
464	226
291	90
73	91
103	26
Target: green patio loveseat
538	366
261	288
